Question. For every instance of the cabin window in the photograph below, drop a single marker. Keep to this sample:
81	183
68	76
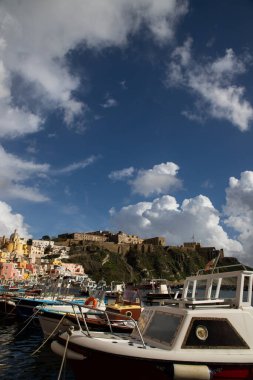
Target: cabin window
212	333
163	327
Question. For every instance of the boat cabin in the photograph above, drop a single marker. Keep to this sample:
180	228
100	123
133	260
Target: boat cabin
207	316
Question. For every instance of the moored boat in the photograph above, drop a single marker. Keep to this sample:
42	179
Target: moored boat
116	316
203	335
58	317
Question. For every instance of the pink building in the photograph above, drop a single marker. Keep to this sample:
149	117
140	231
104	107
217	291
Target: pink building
9	271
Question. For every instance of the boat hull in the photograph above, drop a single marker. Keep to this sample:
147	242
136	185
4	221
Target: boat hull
85	360
54	323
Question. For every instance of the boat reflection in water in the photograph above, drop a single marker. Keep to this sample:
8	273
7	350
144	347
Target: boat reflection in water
191	338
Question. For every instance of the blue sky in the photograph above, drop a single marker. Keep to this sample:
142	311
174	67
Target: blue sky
128	115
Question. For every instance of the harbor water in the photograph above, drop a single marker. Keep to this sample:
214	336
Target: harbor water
18	360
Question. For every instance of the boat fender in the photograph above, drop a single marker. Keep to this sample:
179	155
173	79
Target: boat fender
91	300
191	372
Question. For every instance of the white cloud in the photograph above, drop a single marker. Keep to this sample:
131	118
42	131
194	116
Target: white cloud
77	165
14	172
239	210
17	176
213	82
122	174
10	221
36	37
134	217
165	217
161	16
240	193
158	180
16	122
4	90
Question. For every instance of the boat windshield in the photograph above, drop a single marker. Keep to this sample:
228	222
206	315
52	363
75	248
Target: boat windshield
163	327
158	327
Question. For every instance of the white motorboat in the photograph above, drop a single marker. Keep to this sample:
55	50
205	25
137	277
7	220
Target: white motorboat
205	335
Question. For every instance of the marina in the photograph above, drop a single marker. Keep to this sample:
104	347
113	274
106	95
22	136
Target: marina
25	340
203	334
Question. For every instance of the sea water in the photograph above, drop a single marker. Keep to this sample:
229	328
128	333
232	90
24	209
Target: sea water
18	360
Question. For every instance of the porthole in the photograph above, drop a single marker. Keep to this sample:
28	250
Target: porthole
201	332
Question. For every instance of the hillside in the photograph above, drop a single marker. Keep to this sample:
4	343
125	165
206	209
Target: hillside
174	265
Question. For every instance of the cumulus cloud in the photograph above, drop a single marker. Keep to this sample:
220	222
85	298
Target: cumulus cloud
197	216
213	82
134	215
177	223
158	180
239	210
10	221
36	37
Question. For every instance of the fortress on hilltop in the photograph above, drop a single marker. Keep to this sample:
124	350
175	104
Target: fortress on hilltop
121	242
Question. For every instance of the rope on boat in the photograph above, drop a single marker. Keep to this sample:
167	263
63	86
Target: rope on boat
29	321
64	354
45	341
7	315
